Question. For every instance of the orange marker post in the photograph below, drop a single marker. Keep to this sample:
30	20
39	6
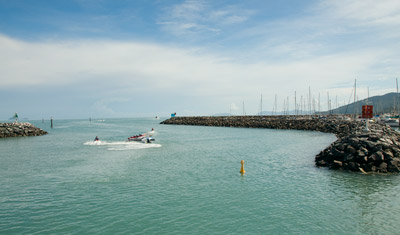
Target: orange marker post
242	171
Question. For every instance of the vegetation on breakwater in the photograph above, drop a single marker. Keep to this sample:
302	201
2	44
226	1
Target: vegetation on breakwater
375	150
17	129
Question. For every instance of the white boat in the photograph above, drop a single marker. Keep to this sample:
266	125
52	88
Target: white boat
144	138
392	122
141	138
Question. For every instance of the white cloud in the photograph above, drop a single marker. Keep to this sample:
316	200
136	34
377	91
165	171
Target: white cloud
366	11
234	59
201	17
329	28
118	70
188	10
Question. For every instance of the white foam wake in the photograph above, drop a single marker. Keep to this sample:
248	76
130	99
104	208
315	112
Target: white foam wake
122	145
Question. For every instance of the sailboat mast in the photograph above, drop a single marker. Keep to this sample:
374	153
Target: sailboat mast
295	103
355	97
397	98
336	105
329	102
309	99
313	104
319	102
284	106
287	113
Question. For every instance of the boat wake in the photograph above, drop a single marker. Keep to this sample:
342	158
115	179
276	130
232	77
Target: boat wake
122	145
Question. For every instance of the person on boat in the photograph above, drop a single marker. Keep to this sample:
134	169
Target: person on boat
96	139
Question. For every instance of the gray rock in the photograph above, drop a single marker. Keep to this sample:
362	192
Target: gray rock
383	167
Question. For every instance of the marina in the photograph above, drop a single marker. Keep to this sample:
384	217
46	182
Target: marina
199	117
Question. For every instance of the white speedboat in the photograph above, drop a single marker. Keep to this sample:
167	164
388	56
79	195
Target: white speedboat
392	122
141	138
144	138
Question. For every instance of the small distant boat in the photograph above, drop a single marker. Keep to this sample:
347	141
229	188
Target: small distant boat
157	117
15	117
392	122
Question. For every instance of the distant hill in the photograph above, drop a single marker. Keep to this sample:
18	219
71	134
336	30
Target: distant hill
382	104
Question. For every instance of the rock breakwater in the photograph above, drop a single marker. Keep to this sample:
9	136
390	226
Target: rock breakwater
375	150
19	129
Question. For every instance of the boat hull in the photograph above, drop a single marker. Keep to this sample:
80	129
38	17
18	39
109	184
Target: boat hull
142	139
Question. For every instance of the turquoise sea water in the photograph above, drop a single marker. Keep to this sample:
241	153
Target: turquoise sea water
186	182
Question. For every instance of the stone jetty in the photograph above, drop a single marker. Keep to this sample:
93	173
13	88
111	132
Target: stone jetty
356	149
19	129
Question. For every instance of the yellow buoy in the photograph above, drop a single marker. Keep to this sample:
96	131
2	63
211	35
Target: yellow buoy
242	171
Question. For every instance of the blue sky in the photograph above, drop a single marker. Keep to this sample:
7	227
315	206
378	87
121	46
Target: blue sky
99	59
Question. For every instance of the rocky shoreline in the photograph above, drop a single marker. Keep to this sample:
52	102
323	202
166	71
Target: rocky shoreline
376	150
19	130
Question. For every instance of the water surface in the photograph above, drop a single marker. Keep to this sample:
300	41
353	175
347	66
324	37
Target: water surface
187	182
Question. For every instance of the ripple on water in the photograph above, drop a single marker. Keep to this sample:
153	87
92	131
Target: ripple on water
186	182
122	145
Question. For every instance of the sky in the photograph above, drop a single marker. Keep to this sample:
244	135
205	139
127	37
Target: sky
118	58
